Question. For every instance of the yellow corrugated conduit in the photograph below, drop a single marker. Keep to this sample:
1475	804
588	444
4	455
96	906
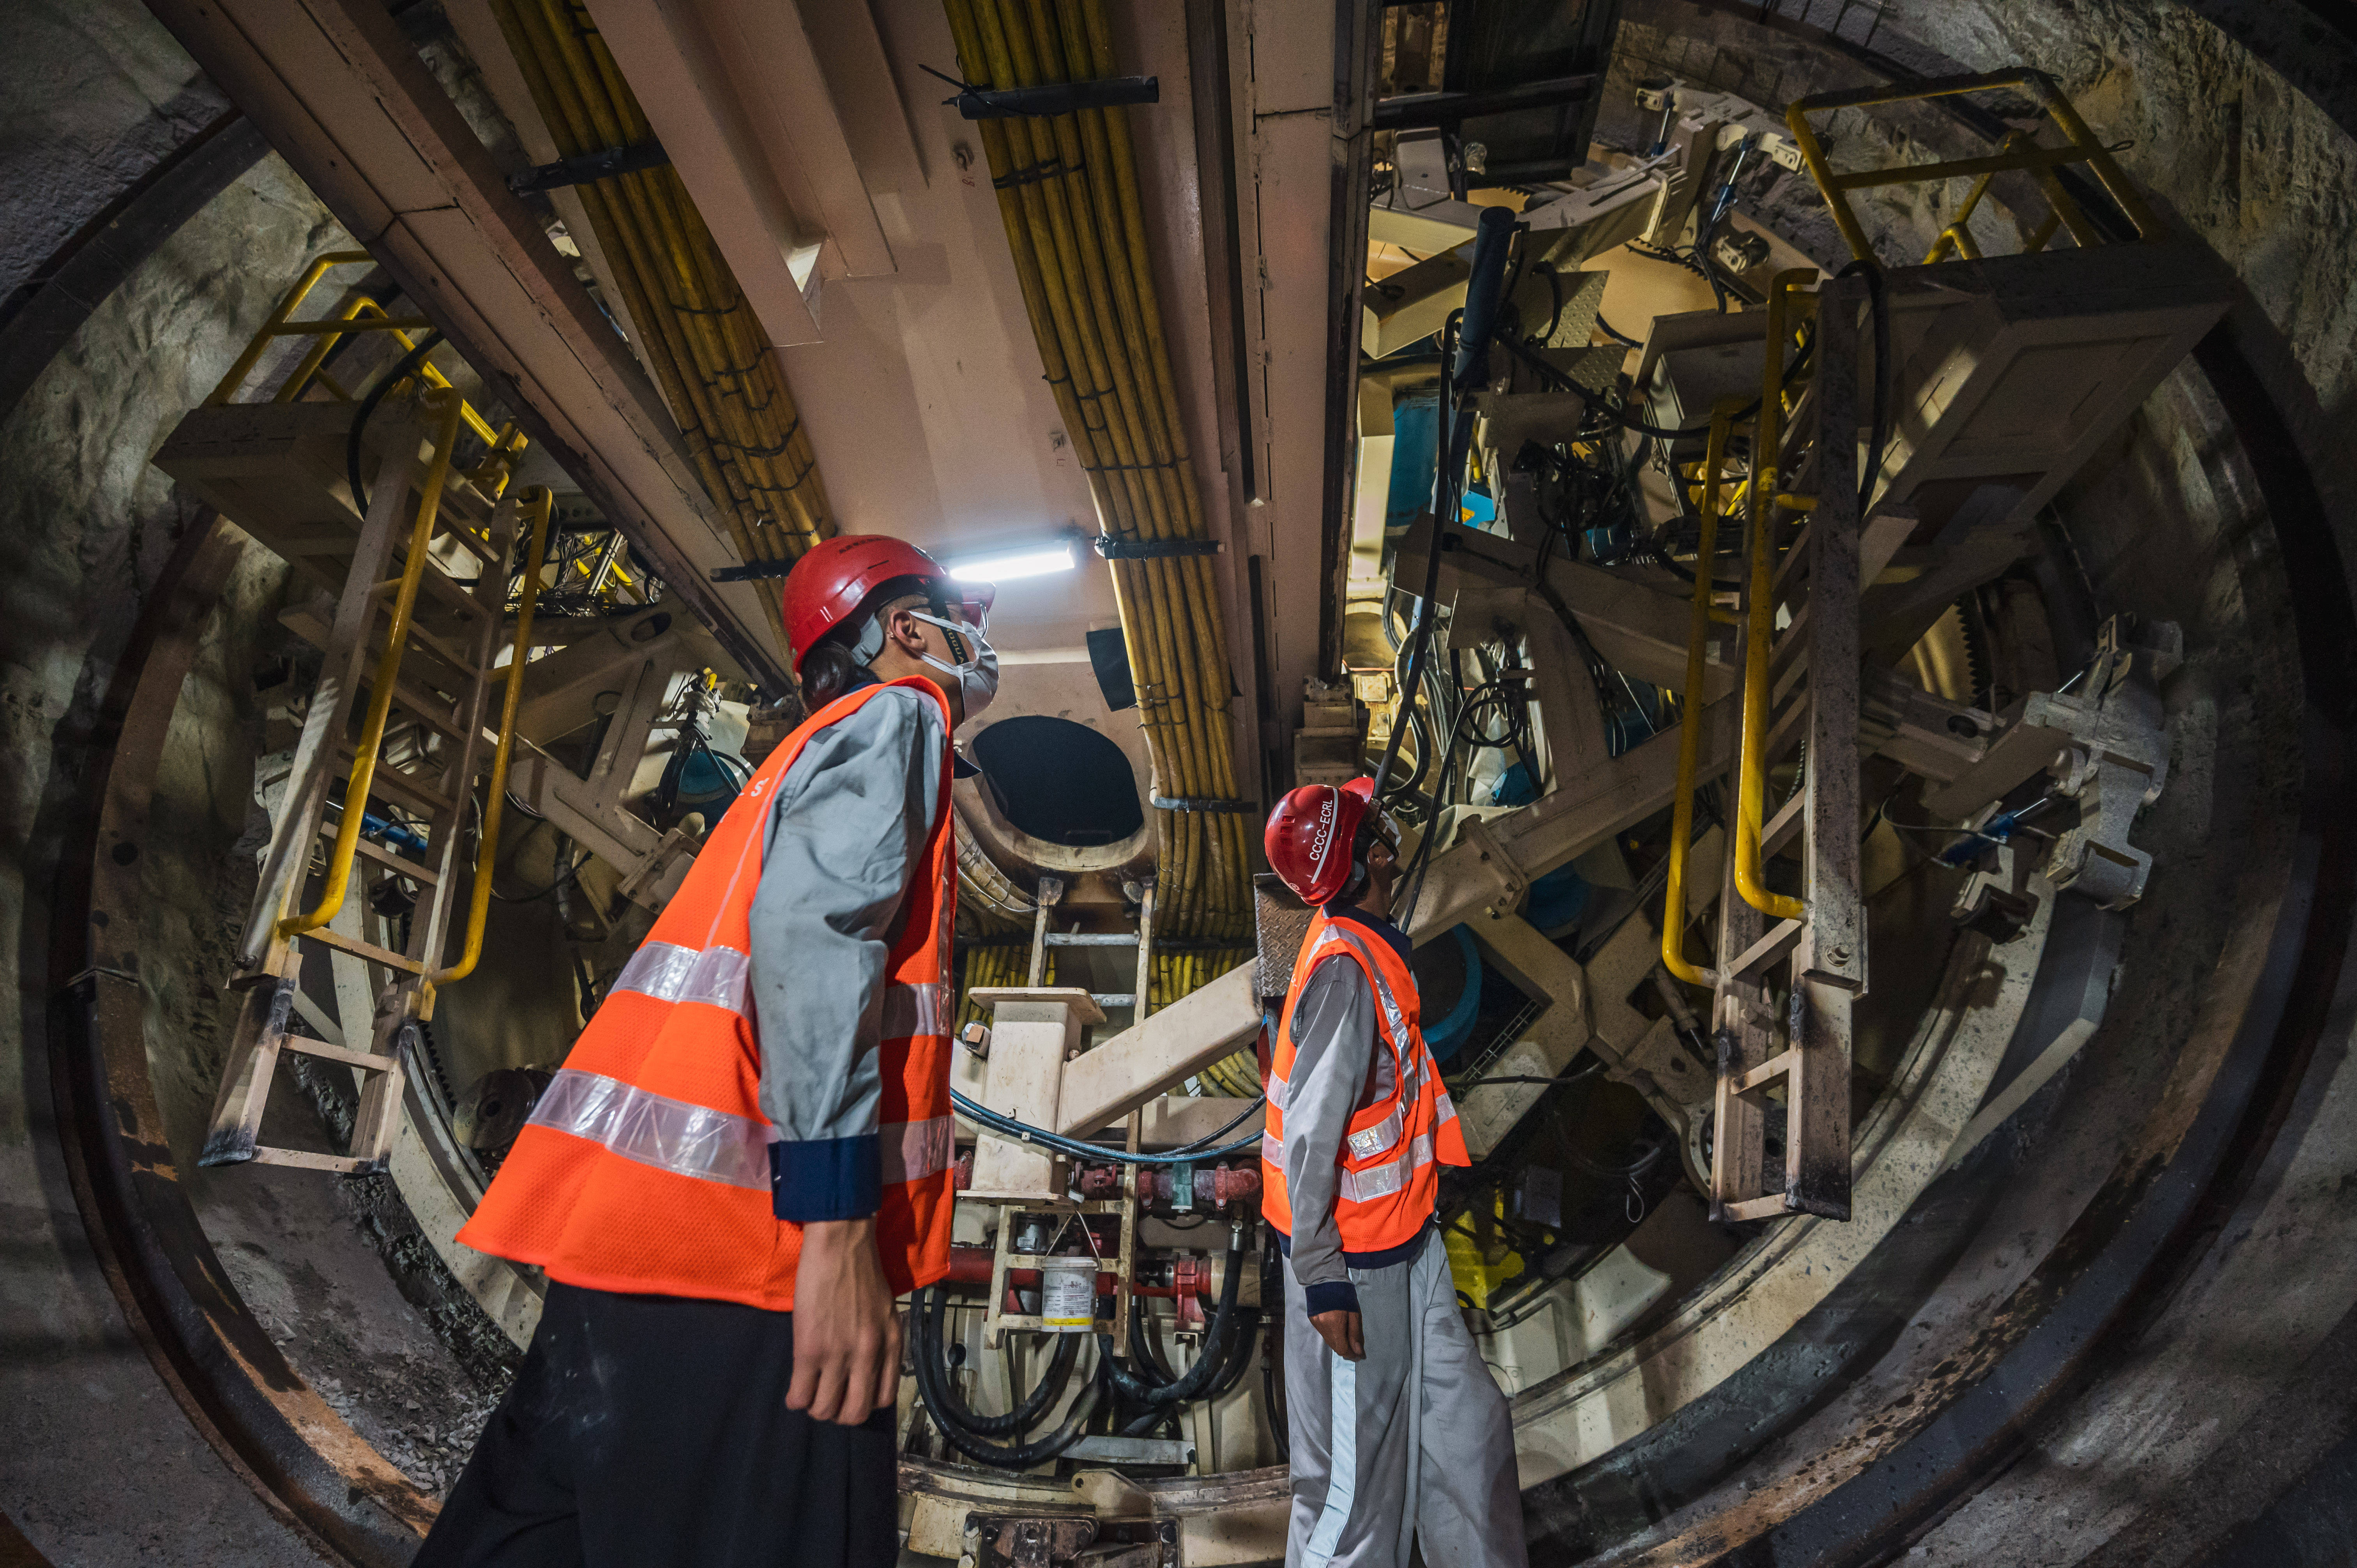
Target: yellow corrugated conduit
1067	192
998	963
698	335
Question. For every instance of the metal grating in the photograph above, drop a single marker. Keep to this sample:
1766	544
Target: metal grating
1280	923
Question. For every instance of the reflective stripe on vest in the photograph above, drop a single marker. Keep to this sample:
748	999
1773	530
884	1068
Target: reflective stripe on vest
645	1166
1359	1187
713	1145
722	977
1384	1187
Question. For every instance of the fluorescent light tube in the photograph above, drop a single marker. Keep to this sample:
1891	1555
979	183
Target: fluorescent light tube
1005	565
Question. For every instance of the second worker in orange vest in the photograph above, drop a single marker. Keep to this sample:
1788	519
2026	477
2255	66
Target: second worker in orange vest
747	1154
1400	1438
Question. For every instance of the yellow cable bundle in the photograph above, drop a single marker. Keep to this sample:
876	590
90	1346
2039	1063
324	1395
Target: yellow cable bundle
699	336
1067	193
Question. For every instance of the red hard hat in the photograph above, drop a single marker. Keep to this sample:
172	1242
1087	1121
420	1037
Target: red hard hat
1312	836
834	577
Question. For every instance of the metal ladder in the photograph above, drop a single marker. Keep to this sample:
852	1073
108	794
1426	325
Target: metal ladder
407	777
1051	893
1799	699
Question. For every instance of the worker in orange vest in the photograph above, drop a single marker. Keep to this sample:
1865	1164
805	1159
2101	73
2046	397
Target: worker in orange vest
748	1153
1399	1435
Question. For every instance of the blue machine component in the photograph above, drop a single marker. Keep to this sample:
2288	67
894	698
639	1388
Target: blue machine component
1444	1034
1415	435
1611	541
390	832
1557	899
702	778
1477	510
1999	829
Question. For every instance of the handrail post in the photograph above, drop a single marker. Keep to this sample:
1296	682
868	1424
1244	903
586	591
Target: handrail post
1751	767
487	852
1673	924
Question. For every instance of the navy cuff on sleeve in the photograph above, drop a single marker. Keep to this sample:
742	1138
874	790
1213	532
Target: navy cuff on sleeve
825	1178
1334	1295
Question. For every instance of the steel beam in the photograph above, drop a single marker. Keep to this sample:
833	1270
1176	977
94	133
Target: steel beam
343	97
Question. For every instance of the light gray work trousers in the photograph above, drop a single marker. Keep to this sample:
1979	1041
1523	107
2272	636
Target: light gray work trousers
1412	1443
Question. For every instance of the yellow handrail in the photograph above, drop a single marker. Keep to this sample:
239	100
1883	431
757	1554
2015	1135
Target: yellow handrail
1751	770
486	853
388	669
1722	415
327	331
2016	151
244	365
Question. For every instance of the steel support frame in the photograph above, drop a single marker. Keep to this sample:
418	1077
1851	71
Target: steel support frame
344	98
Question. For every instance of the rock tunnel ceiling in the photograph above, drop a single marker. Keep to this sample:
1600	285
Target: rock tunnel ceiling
2080	1291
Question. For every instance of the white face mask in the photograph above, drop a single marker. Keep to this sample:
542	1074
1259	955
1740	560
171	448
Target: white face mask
977	678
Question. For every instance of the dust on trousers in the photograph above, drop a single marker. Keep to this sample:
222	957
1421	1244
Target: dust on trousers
1415	1443
651	1432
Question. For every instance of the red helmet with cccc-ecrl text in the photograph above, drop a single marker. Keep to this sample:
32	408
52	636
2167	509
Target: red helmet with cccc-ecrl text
1312	837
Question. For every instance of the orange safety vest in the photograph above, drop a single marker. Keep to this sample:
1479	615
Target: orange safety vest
1390	1183
645	1166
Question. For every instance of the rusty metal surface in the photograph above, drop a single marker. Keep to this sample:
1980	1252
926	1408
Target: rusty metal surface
309	1466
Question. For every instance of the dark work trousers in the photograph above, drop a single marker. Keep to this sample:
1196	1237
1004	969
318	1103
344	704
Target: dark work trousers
647	1430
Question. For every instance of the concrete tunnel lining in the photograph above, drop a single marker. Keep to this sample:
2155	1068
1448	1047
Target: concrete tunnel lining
2220	364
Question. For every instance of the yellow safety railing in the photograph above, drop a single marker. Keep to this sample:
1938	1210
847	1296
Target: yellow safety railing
447	405
1767	444
360	315
478	905
1958	235
2017	151
1722	415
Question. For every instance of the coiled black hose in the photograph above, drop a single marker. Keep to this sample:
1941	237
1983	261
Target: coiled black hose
1192	1383
949	1412
1240	1352
1027	1409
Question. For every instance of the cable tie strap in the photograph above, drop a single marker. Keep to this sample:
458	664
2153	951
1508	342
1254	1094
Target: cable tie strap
1053	169
754	571
976	101
1126	467
1113	549
580	169
1203	803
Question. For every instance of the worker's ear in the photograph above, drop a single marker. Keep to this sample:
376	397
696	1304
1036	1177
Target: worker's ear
904	630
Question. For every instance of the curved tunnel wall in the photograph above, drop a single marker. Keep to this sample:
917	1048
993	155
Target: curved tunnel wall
87	526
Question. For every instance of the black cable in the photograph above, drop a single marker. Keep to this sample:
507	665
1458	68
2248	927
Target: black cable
1190	1384
563	881
1240	1352
1444	514
1615	333
385	383
1630	1171
1097	1153
1030	1407
1242	1117
1879	303
1142	1348
940	1402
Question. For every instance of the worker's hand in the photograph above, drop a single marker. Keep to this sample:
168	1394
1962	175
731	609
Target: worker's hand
1343	1332
846	1336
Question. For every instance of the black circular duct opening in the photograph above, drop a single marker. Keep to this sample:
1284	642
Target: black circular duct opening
1058	781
